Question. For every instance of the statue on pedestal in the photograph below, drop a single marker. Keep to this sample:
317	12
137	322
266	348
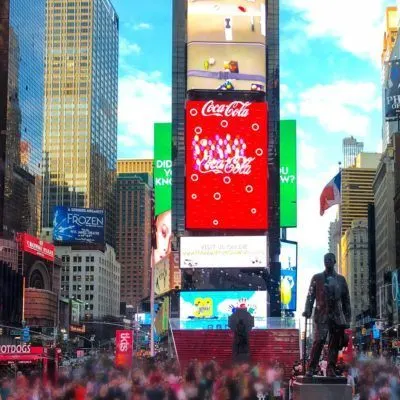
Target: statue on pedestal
241	322
332	314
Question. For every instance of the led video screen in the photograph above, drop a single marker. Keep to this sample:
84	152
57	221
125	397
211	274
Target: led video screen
209	309
226	165
288	259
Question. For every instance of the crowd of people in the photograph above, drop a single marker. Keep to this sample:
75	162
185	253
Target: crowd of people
163	380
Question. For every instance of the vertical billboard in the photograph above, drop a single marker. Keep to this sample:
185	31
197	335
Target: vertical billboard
226	165
226	45
392	89
288	260
288	174
124	348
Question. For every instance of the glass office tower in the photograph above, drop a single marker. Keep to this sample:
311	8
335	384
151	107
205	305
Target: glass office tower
21	93
81	104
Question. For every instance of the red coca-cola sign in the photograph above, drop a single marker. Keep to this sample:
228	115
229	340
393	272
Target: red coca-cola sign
124	348
226	165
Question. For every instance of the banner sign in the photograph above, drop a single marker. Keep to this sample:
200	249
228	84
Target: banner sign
162	167
78	225
288	260
288	174
392	89
35	246
224	252
124	348
226	165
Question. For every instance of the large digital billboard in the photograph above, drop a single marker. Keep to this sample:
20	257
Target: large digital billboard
288	259
226	165
224	252
212	309
78	225
162	167
288	174
226	45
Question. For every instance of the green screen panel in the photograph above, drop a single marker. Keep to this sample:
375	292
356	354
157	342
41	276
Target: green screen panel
288	174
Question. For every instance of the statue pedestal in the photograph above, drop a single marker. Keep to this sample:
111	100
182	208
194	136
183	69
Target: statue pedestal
321	387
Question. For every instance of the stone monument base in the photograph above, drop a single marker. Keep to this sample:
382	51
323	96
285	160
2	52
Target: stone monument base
321	387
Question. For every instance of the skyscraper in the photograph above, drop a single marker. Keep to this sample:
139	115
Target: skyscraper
351	149
22	48
81	99
135	166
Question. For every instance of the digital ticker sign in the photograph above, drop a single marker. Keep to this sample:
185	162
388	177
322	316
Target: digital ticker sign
78	225
226	165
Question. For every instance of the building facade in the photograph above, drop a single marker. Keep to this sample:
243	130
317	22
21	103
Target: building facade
91	276
351	149
357	190
355	267
135	166
81	102
334	238
22	51
134	194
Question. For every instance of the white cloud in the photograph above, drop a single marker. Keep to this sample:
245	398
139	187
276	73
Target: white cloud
142	26
127	48
341	107
356	25
307	155
143	100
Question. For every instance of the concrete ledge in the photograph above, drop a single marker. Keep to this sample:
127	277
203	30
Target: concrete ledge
321	391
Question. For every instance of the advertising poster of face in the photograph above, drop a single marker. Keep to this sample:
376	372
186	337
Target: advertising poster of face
226	165
226	45
288	259
202	309
163	236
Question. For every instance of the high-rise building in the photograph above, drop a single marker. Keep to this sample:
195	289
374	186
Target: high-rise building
357	190
133	248
91	276
22	49
81	98
355	267
351	149
334	237
135	166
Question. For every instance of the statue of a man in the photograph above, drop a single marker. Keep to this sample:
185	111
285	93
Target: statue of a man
332	314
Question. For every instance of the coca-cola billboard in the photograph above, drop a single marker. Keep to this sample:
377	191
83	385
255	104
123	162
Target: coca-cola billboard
226	165
124	348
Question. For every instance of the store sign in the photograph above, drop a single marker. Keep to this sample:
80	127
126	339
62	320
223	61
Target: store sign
77	328
226	165
224	252
15	349
124	348
35	246
175	271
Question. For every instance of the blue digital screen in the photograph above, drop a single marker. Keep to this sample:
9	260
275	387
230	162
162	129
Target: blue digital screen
78	225
212	309
288	259
143	318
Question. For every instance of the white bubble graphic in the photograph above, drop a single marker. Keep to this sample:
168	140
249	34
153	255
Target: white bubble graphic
227	179
259	152
193	112
194	177
255	127
198	130
224	123
194	196
215	222
253	210
249	188
217	196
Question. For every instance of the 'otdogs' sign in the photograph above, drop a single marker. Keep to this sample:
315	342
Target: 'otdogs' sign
226	165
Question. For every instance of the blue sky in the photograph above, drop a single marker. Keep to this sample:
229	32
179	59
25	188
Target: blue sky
330	83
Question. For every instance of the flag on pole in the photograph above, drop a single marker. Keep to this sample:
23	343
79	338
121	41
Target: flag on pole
331	193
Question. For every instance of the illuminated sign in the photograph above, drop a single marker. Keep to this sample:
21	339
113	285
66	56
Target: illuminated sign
288	174
162	167
77	328
288	260
78	225
226	165
226	45
35	246
205	308
224	252
124	348
161	276
15	349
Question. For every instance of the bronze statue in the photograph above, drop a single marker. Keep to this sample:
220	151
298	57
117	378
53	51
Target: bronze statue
241	322
331	315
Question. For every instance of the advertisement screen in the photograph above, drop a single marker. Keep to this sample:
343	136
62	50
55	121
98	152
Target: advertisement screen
162	167
224	252
392	89
143	318
78	225
75	312
288	174
226	45
226	165
124	348
35	246
288	259
208	309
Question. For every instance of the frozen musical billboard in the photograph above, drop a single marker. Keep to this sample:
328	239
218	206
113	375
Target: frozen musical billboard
226	165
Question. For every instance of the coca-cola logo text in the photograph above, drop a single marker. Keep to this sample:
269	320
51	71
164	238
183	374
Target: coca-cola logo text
13	349
240	165
234	109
